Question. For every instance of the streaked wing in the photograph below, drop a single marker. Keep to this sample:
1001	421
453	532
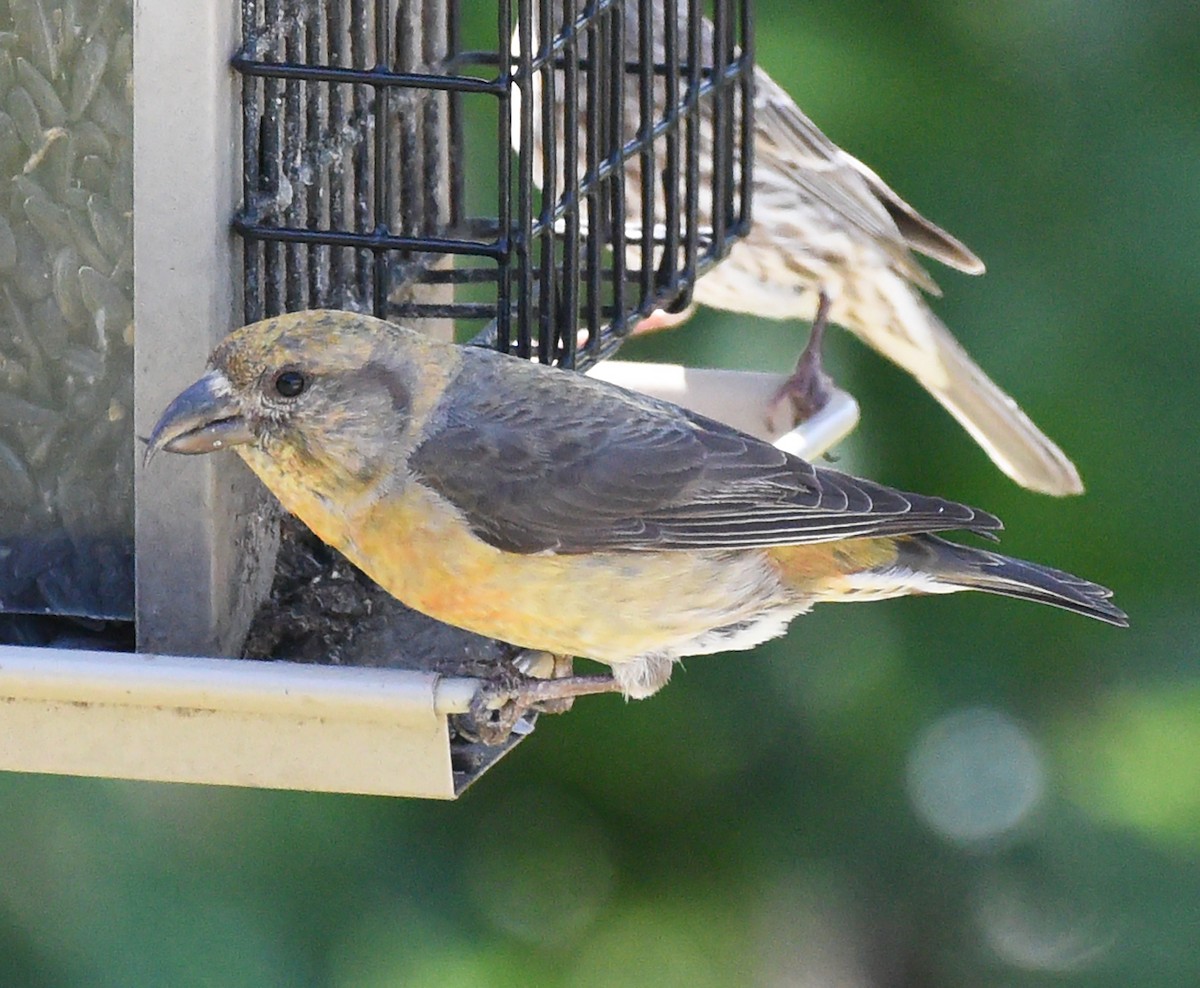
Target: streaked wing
921	234
793	156
540	460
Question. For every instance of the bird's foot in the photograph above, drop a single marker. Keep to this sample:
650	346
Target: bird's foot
494	714
800	397
547	665
503	701
809	389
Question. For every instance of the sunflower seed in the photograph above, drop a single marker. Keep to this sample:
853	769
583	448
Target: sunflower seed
40	448
51	327
42	93
70	27
16	411
83	362
120	64
90	139
24	114
52	222
8	245
89	69
84	242
113	115
12	373
67	295
26	188
110	309
93	174
111	229
17	489
11	148
31	276
30	20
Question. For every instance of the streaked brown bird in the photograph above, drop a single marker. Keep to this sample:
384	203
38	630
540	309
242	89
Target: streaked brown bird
563	514
829	240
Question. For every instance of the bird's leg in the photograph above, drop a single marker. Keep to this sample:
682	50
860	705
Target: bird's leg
546	665
564	668
540	691
809	389
568	688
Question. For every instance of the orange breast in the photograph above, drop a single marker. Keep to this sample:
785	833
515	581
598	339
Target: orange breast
607	606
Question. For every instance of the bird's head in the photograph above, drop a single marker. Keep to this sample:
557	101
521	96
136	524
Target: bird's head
335	389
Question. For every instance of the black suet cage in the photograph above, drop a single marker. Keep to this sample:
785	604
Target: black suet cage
535	175
620	168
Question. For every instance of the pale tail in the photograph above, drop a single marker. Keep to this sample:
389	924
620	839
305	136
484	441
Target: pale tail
918	342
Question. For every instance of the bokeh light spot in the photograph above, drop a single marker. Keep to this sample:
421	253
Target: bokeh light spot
1037	930
974	775
540	867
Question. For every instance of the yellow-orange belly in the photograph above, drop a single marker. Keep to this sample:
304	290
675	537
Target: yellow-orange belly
611	606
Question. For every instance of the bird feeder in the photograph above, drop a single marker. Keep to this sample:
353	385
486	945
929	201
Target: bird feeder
376	155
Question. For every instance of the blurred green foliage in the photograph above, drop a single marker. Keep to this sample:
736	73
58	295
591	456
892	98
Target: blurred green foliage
946	791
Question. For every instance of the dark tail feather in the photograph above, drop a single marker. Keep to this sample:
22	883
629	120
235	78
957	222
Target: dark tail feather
978	569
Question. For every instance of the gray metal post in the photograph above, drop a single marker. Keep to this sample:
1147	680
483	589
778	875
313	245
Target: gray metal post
204	556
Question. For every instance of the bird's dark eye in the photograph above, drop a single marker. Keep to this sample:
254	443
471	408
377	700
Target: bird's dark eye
289	383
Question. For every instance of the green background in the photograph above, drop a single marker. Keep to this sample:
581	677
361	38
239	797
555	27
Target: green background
939	791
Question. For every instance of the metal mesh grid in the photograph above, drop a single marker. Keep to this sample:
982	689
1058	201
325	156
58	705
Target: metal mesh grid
357	177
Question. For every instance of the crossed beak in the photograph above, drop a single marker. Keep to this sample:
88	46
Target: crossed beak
202	419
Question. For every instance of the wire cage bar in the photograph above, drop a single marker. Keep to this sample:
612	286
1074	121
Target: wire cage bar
549	165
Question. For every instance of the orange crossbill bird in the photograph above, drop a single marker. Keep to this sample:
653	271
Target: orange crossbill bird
829	240
564	514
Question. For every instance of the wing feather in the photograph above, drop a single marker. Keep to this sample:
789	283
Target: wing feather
542	460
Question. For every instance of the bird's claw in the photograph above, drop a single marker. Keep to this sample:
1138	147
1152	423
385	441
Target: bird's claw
494	713
800	397
501	703
809	389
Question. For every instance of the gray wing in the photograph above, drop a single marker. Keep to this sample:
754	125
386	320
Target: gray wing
545	460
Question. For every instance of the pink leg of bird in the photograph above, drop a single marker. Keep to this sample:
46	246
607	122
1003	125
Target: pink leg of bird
809	389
